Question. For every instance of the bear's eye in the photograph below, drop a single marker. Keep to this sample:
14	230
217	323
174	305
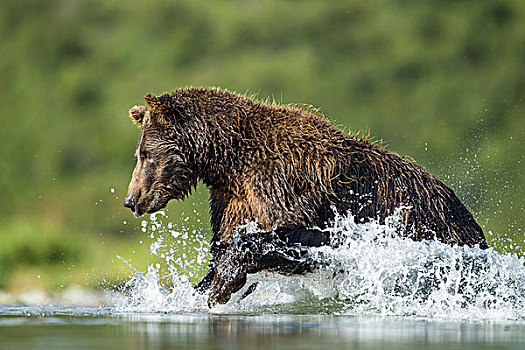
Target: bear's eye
144	154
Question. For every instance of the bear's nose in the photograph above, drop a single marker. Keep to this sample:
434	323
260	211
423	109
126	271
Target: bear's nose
129	202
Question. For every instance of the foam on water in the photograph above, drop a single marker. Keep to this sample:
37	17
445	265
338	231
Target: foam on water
368	270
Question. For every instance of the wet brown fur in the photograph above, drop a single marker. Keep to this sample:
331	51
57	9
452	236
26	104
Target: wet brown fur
284	165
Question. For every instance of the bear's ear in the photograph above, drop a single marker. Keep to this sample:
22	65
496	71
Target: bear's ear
153	102
162	107
137	114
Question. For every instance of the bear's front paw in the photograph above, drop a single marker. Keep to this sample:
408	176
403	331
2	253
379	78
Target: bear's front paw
229	276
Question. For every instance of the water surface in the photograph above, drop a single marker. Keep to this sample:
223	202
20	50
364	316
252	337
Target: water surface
371	290
105	328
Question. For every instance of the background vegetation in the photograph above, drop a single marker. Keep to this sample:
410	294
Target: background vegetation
441	81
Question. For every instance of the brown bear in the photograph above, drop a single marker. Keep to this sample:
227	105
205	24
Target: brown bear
285	167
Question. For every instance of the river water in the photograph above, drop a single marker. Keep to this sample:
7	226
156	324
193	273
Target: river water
104	328
371	290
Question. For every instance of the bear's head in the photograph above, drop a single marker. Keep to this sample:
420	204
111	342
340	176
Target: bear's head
165	168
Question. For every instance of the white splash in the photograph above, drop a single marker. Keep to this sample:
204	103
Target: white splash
378	272
371	271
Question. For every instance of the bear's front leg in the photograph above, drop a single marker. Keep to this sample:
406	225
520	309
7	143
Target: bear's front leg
228	275
284	250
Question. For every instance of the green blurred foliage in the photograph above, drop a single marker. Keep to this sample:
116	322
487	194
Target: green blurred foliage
441	81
